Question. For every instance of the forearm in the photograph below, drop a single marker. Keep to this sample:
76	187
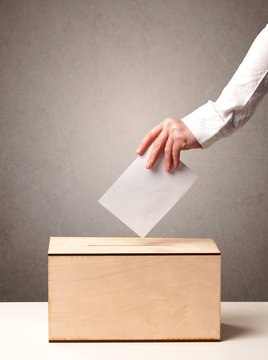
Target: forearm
238	100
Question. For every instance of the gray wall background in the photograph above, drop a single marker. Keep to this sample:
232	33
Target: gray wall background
81	84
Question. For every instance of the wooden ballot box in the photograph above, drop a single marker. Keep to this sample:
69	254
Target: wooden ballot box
133	289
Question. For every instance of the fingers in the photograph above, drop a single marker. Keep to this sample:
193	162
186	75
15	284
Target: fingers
157	147
176	157
149	138
168	153
177	147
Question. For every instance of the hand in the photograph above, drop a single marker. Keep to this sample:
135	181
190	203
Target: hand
174	136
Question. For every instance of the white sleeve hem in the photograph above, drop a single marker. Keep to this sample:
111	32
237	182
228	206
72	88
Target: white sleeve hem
206	124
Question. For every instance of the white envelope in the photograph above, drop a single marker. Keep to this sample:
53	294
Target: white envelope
140	197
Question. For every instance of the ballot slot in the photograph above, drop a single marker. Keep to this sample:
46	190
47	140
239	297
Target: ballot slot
94	245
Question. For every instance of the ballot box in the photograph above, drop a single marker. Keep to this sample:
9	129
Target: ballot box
133	289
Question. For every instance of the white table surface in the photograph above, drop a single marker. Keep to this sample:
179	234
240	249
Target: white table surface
24	335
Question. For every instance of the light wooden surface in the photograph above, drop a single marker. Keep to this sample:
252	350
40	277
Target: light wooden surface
134	297
24	335
114	245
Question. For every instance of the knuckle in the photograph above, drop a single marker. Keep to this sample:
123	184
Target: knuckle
142	143
147	137
168	163
167	151
168	121
157	145
177	138
143	140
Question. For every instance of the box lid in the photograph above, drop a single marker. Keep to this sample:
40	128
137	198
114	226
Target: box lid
126	245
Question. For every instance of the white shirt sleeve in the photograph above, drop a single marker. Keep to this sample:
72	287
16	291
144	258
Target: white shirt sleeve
238	100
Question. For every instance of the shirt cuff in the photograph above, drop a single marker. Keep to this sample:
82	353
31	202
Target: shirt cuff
207	125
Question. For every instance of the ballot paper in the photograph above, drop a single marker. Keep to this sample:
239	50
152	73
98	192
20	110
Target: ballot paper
140	197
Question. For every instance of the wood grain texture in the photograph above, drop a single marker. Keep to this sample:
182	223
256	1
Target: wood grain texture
113	245
134	297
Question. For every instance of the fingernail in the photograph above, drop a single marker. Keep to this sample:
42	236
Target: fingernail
148	165
138	150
